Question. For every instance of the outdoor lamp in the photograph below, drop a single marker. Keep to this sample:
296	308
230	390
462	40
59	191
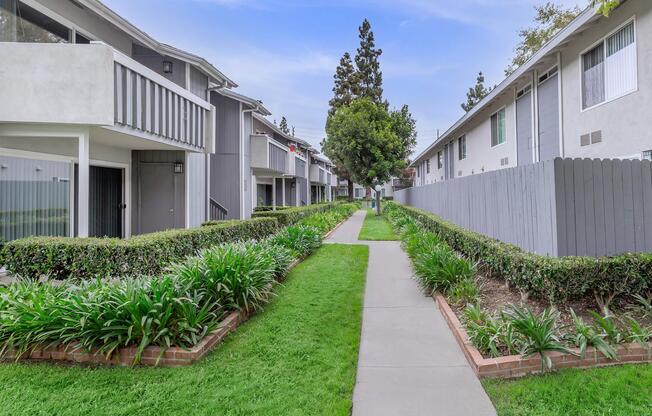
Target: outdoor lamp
378	188
178	167
167	67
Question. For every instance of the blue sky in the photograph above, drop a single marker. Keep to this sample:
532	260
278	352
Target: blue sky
284	52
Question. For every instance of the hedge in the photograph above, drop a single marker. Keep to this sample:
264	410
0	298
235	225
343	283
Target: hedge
555	279
291	216
147	254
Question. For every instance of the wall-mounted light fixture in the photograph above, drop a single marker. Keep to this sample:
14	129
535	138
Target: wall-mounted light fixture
178	167
167	67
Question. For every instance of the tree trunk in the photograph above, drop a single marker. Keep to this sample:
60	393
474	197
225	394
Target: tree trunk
350	184
377	203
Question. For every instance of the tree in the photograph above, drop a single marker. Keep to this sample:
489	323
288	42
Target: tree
549	20
292	131
476	94
605	6
284	126
368	77
372	142
345	89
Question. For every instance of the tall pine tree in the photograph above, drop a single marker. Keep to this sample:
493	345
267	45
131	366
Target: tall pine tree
476	94
345	88
284	126
369	78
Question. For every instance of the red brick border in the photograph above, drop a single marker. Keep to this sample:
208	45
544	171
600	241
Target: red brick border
152	355
516	366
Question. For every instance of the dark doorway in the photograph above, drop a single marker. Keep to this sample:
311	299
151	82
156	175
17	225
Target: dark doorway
106	205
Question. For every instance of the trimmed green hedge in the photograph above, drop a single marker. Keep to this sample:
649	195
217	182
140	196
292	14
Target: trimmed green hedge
148	254
551	278
291	216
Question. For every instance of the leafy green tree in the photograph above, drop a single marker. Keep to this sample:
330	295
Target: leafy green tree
605	6
476	94
372	142
284	126
549	20
368	76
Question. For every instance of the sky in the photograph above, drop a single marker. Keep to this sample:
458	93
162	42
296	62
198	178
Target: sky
284	52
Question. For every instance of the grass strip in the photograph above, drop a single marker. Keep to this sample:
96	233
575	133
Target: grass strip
297	357
615	391
376	228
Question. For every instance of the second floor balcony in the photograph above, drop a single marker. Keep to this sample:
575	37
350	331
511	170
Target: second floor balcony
96	85
318	175
268	157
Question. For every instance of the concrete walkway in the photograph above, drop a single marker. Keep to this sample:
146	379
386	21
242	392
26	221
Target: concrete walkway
409	362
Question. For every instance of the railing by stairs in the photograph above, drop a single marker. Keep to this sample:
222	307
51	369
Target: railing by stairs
217	211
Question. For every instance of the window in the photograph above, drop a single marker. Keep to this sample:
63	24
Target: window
647	155
440	160
427	165
498	128
359	193
461	147
22	23
609	69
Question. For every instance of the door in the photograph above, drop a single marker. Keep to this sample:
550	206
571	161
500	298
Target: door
524	128
157	197
106	206
548	94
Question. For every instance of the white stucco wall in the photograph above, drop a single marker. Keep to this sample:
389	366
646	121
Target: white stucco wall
56	83
625	122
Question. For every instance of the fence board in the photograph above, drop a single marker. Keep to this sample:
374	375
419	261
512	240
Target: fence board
560	208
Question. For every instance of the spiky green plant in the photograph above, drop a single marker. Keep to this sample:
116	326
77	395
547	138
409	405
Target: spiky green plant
584	335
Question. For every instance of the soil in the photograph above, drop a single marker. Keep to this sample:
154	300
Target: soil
495	296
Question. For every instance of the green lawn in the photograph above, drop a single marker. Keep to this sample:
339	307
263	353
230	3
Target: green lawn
376	228
623	390
297	357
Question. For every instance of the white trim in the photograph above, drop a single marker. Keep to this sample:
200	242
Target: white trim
504	109
560	97
535	118
515	126
126	190
186	193
61	20
603	41
241	162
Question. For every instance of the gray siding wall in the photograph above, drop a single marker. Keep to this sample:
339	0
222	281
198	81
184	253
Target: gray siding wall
524	129
303	191
154	61
198	83
278	158
548	96
300	168
557	207
225	163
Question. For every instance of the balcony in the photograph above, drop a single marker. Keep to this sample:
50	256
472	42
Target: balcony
96	85
318	175
268	157
401	183
298	165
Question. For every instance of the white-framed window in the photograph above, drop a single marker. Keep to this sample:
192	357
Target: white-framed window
440	160
358	193
647	155
498	130
428	165
609	68
461	148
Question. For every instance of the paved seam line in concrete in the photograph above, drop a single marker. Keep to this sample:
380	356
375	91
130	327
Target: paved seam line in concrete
409	362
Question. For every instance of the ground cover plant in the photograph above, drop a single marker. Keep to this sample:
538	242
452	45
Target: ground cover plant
376	228
296	357
522	326
177	308
616	391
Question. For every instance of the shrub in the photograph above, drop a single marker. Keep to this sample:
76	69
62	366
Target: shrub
464	291
325	221
148	254
301	240
554	279
291	216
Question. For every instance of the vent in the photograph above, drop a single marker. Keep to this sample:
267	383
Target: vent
596	137
504	161
647	155
585	140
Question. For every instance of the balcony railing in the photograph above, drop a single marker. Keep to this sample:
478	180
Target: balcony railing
96	85
268	156
318	174
149	103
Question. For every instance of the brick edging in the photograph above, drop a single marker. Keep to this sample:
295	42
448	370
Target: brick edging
152	355
328	234
516	366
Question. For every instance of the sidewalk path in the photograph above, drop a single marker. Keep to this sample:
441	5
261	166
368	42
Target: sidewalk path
409	362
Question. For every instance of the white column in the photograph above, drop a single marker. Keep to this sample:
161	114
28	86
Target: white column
297	193
283	190
83	161
274	193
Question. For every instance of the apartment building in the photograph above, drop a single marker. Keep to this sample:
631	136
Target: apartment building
585	94
107	132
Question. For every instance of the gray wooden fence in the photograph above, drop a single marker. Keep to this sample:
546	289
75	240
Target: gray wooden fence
562	207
